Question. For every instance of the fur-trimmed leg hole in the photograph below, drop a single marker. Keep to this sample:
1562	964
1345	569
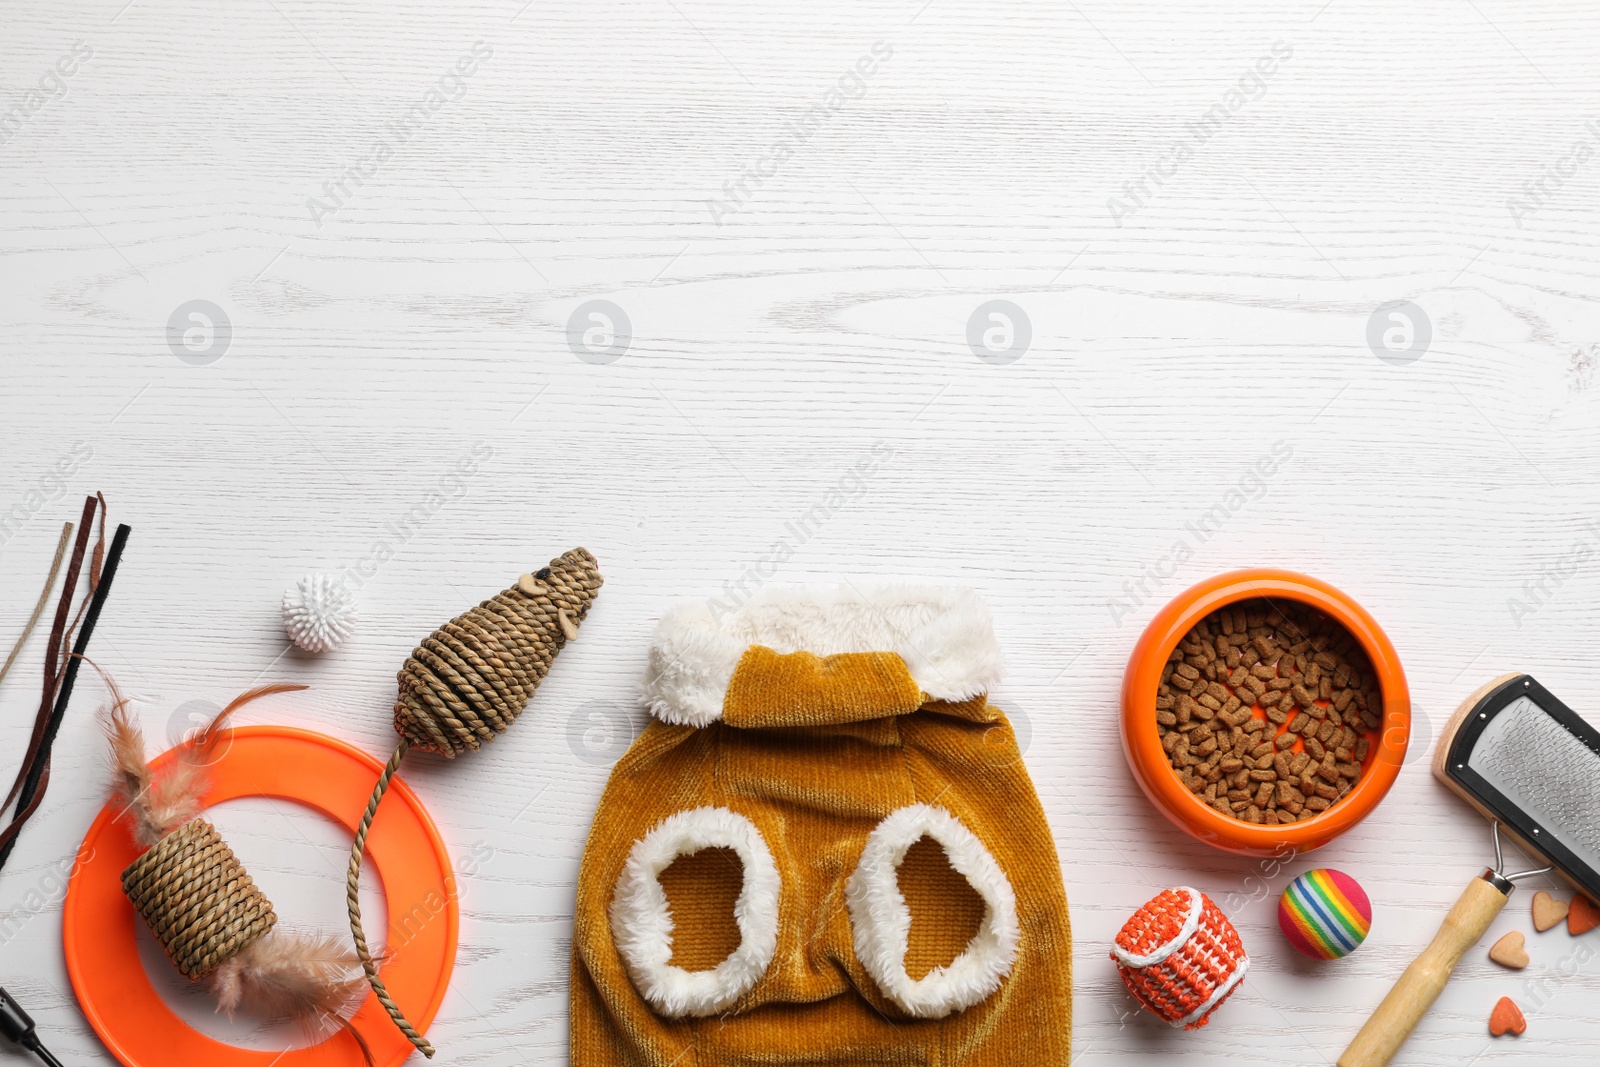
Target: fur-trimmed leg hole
701	890
945	910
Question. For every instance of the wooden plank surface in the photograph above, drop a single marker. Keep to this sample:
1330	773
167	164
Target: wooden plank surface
1199	210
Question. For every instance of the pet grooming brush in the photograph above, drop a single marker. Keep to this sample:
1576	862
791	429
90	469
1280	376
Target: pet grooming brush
1531	766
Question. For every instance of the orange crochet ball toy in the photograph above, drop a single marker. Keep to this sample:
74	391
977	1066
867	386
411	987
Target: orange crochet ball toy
1180	957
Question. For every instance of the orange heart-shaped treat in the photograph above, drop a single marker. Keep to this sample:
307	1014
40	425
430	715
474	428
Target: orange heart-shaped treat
1583	916
1507	1019
1511	951
1547	911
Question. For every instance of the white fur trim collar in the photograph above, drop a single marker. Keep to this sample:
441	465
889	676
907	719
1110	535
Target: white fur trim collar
945	636
880	919
641	920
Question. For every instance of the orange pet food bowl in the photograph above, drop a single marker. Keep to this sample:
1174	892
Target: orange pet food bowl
1190	813
101	933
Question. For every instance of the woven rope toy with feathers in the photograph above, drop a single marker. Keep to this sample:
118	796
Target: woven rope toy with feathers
466	683
213	921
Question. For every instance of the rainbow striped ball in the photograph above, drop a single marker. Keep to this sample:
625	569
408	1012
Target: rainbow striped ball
1325	914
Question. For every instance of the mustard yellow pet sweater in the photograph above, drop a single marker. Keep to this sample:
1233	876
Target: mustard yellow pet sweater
824	849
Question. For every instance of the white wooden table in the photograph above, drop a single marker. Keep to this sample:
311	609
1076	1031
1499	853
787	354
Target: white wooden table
801	213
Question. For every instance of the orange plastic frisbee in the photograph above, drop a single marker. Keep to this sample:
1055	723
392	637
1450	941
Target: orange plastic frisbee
100	925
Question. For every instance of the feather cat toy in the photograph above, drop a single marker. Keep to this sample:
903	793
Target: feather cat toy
214	923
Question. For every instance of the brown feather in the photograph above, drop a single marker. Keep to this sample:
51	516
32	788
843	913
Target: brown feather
173	797
159	804
200	751
130	773
313	979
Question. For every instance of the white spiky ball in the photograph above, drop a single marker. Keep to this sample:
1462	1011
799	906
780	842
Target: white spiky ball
319	613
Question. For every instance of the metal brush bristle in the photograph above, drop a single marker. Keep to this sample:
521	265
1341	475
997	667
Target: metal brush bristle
1545	771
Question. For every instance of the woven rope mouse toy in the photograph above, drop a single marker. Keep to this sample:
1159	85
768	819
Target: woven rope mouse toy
467	682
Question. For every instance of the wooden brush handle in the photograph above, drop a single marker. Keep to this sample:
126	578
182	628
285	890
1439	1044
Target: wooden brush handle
1424	980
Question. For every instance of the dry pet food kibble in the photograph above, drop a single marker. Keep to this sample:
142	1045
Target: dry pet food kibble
1507	1018
1582	916
1267	711
1511	951
1547	911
